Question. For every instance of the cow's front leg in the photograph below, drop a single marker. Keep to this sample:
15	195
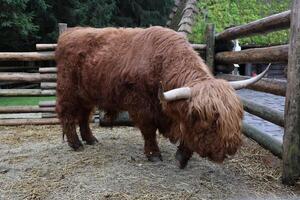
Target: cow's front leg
183	154
151	148
148	129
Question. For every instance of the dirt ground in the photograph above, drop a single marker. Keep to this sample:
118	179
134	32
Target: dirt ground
35	164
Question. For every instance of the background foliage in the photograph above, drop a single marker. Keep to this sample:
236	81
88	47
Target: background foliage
23	23
225	13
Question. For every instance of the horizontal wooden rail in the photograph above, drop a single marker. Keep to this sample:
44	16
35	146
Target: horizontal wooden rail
49	115
42	47
50	119
262	138
199	47
271	23
53	46
48	92
26	92
47	103
274	54
24	109
45	70
26	77
27	56
48	85
16	122
263	112
273	86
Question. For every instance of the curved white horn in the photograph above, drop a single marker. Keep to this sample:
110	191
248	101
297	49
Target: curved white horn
177	94
244	83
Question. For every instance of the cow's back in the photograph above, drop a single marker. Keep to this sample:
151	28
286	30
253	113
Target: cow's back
110	67
103	66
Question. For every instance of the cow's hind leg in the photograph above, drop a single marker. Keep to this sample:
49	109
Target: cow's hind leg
183	154
67	113
85	131
69	129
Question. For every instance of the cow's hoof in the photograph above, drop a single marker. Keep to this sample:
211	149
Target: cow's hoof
91	141
182	159
155	157
76	146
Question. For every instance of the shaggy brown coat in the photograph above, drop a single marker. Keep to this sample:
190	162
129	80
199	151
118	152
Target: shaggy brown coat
123	69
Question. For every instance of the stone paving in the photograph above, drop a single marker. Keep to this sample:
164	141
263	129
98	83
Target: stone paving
273	102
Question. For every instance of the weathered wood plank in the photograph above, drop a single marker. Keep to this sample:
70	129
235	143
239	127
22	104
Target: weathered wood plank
16	122
47	103
291	139
62	27
25	92
275	54
192	6
48	92
42	47
273	86
186	20
263	112
24	109
26	77
48	85
20	116
199	47
210	46
27	56
263	139
185	29
53	47
44	70
271	23
49	115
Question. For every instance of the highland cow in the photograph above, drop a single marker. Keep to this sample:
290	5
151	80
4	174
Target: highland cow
157	77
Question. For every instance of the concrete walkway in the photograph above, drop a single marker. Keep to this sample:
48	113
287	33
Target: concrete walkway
273	102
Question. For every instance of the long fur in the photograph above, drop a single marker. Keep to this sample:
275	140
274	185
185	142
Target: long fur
122	69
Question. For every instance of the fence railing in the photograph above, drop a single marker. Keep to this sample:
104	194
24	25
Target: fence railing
268	24
273	54
46	78
289	149
273	86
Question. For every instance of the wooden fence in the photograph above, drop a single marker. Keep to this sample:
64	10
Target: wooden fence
46	78
289	150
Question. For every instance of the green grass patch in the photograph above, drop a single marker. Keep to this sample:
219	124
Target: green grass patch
22	101
224	13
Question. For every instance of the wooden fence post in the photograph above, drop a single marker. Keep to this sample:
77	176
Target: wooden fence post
210	46
45	85
291	140
62	27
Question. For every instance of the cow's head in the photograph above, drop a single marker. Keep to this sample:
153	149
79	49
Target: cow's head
209	116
